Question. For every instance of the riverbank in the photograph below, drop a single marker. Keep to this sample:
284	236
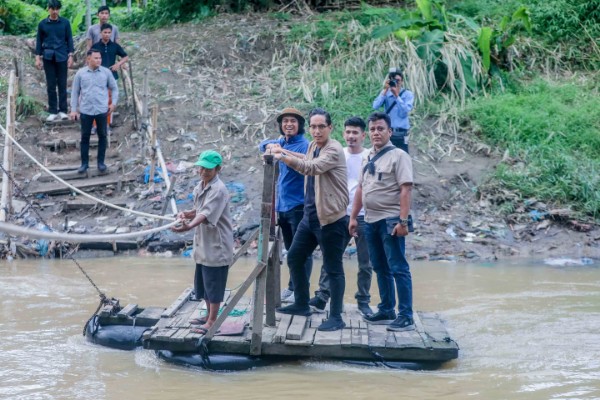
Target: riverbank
219	85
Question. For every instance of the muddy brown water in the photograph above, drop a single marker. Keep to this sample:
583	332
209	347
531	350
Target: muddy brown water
526	331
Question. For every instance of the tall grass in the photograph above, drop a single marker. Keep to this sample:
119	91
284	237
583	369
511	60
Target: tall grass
552	133
342	68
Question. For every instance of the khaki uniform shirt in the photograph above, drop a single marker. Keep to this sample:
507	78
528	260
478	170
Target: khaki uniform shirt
381	191
213	240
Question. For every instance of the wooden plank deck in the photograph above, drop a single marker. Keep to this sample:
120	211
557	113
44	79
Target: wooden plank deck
298	337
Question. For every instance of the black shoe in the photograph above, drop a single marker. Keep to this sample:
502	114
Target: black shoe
402	324
332	324
293	309
364	309
381	318
102	167
317	304
82	169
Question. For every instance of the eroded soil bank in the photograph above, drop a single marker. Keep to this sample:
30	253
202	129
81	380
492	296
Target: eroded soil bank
219	86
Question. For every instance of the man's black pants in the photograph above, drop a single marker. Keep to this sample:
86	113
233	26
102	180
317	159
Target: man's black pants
56	76
332	239
289	221
86	130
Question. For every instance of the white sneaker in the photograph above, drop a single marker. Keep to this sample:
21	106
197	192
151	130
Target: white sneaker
93	132
286	294
52	117
63	116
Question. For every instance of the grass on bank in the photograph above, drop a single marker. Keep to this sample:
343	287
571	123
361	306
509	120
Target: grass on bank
551	130
552	133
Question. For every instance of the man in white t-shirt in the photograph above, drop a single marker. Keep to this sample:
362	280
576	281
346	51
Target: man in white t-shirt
354	135
94	34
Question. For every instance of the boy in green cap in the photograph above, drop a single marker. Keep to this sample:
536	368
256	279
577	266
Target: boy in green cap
213	239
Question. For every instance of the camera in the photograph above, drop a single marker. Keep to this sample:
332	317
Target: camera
393	82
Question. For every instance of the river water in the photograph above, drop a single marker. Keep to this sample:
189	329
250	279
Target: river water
526	331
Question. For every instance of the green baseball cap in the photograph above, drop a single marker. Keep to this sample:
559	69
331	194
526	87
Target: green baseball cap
209	159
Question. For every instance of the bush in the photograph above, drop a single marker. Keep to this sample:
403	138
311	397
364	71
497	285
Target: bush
553	130
21	18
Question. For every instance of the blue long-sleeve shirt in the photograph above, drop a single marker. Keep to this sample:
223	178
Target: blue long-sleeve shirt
398	114
290	184
54	36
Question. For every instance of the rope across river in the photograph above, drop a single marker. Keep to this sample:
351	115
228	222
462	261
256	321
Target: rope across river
106	203
78	238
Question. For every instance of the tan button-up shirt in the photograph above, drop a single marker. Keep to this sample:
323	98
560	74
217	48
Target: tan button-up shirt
213	240
381	191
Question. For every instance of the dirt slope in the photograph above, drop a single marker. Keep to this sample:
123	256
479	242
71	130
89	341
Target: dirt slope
218	85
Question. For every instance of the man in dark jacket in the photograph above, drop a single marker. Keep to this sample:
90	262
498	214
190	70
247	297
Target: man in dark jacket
54	51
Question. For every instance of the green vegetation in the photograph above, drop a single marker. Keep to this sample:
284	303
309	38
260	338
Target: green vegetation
570	25
552	132
469	62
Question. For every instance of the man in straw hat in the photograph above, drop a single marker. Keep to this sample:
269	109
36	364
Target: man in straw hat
213	239
289	202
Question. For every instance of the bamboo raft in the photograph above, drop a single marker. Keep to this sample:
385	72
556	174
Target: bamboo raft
291	336
250	326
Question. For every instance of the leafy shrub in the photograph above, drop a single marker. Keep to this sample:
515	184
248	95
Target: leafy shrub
553	130
20	17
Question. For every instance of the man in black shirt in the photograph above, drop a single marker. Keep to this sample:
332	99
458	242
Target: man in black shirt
110	50
54	51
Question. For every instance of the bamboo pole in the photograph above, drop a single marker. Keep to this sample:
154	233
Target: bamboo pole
152	128
139	107
5	200
144	113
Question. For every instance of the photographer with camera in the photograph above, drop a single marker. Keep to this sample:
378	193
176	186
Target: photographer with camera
397	102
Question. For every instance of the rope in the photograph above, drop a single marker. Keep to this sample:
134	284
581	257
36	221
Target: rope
81	192
103	298
77	238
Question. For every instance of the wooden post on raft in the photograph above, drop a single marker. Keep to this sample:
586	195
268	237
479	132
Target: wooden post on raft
260	285
273	292
7	159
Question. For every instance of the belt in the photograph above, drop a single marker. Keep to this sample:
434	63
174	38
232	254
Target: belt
400	130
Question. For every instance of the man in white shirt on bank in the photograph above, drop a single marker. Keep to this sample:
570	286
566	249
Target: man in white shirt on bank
354	135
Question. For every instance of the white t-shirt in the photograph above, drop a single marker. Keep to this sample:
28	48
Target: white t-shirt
353	165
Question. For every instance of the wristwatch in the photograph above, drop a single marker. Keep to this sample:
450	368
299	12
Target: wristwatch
403	221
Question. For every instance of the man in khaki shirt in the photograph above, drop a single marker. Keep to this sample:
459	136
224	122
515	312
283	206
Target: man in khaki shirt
213	239
384	190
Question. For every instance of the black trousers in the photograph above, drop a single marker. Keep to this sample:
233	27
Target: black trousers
332	239
56	77
86	130
289	221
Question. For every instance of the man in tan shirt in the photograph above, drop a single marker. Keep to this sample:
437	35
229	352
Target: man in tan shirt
213	239
384	190
324	222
